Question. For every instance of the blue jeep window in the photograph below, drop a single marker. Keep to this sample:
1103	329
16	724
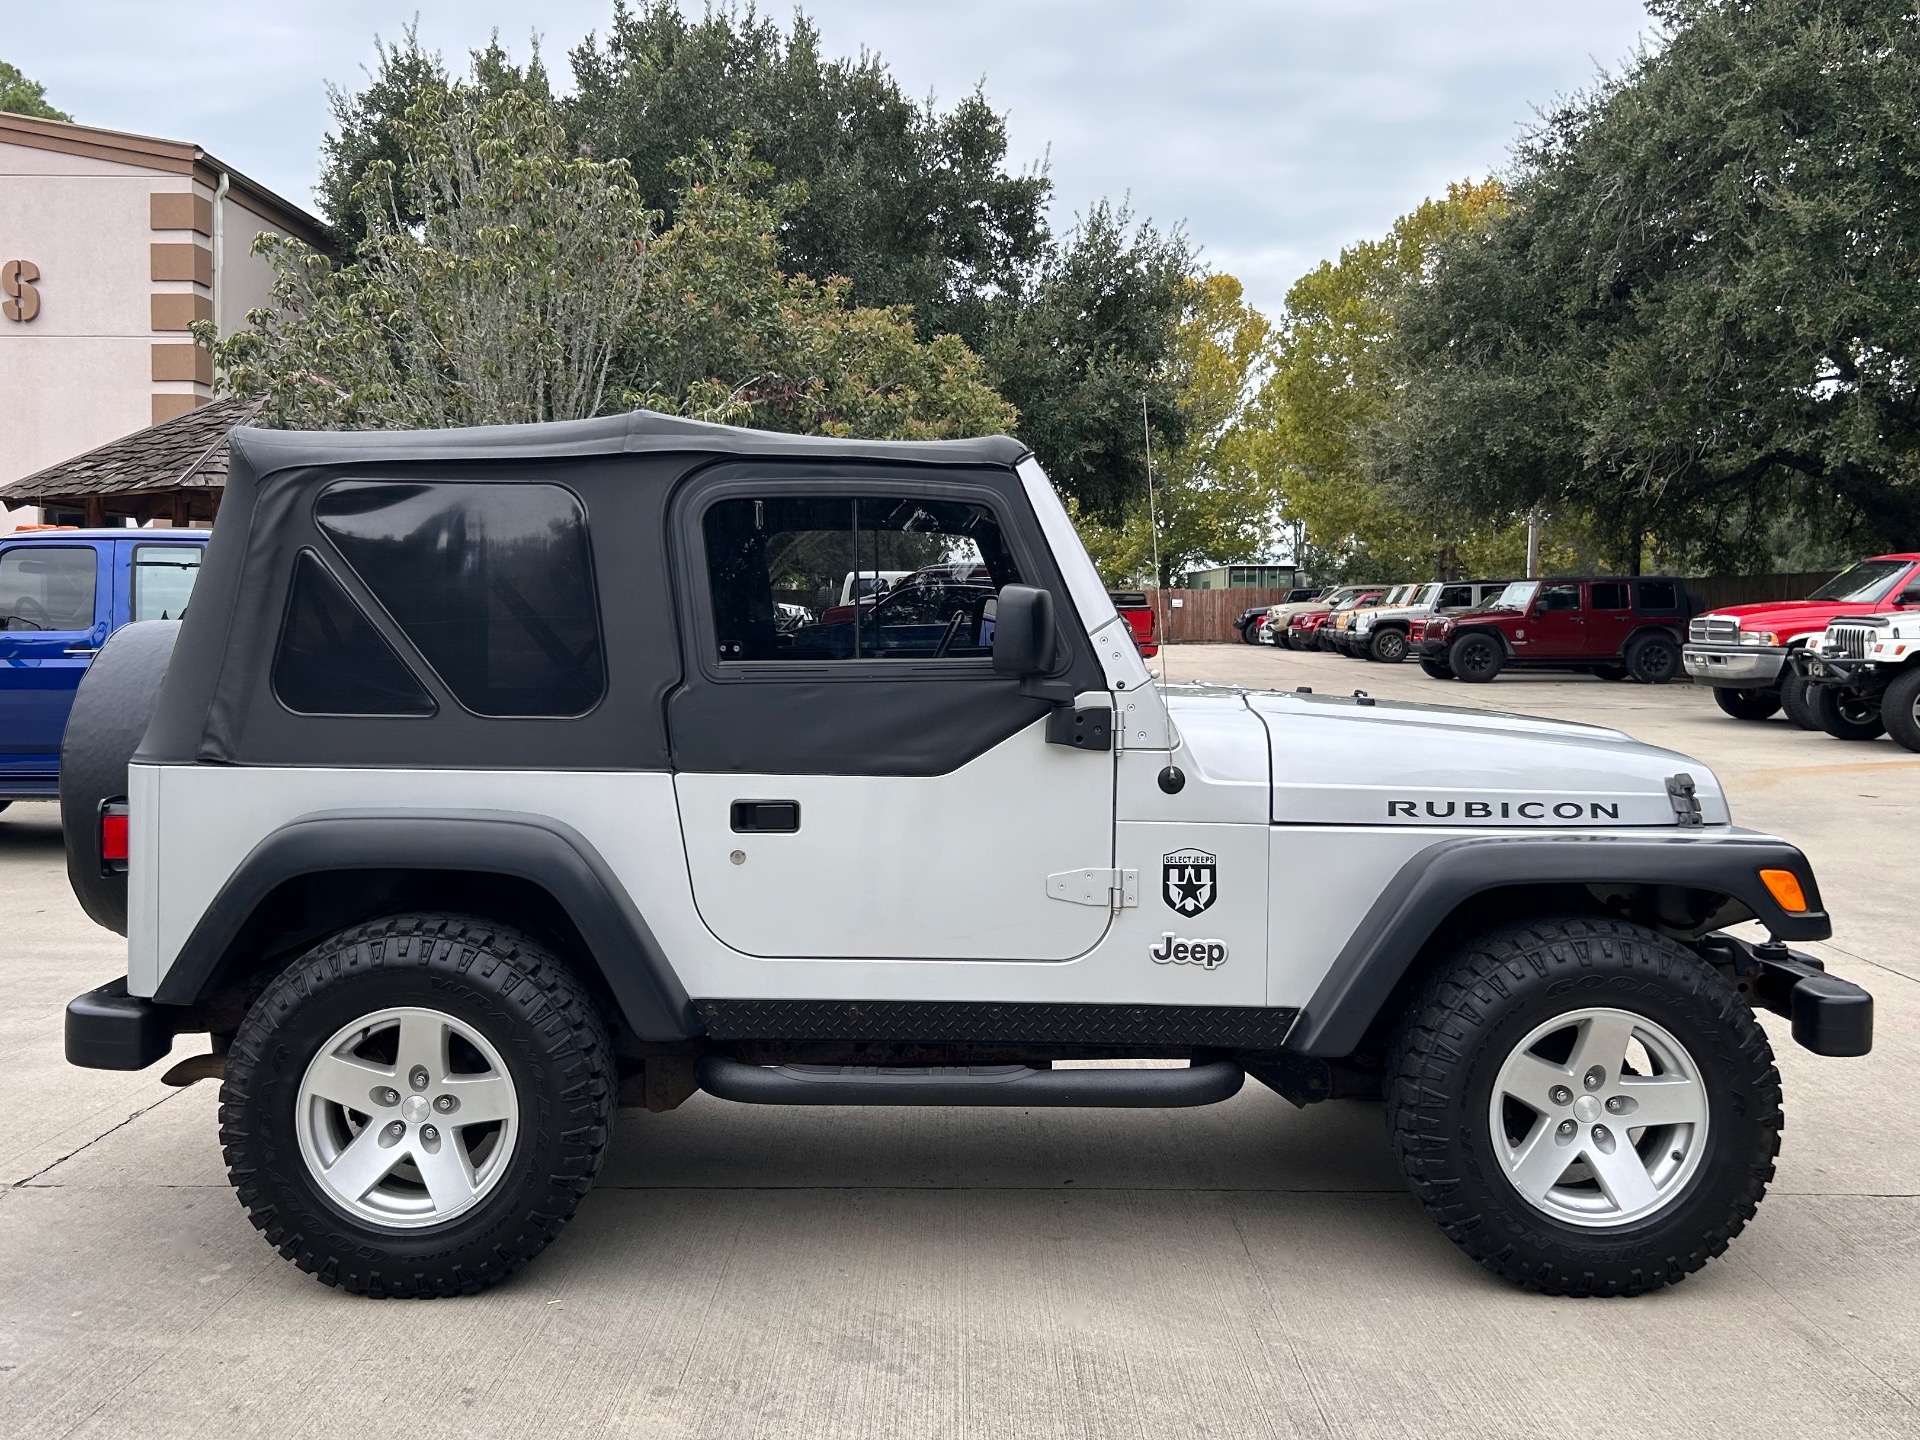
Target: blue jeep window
47	587
805	578
331	660
493	583
163	577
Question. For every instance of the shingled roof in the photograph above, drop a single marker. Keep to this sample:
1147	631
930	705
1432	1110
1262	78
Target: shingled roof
186	453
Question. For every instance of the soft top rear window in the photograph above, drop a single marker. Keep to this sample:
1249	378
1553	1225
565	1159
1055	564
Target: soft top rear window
493	582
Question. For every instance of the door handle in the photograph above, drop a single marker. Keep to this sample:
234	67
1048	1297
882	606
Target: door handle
765	817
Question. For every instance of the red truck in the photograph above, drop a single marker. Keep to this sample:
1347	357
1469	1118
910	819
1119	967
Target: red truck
1134	609
1741	651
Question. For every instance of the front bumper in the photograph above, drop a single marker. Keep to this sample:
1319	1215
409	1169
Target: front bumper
1741	667
1830	1016
1838	670
108	1029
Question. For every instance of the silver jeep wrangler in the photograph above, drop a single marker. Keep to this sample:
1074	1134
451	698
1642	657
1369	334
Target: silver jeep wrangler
497	778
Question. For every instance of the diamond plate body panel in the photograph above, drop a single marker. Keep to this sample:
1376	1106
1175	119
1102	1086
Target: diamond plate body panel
1222	1026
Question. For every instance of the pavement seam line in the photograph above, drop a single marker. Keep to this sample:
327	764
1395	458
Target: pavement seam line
1834	1337
19	1184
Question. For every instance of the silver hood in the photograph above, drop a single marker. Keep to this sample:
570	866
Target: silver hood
1339	761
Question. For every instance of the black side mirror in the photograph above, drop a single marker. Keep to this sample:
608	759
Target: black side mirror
1022	631
1910	595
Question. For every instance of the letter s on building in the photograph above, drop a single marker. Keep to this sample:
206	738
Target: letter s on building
16	280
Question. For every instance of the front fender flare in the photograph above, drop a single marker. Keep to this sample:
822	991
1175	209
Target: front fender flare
544	851
1433	883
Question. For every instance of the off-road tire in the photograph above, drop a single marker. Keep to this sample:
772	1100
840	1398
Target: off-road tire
1652	659
1435	669
1388	646
1793	700
1250	633
1469	1015
1747	704
1900	708
1476	658
1845	714
534	1011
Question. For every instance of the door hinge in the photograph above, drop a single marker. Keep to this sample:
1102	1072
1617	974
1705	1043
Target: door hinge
1111	889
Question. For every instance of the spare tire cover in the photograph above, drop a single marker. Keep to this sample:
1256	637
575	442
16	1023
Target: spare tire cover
109	716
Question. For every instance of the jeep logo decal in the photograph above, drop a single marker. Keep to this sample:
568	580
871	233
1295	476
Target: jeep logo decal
1173	950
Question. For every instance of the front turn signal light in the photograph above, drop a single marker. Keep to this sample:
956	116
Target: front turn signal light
1784	886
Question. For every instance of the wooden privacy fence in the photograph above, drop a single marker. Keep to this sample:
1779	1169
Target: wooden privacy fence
1199	616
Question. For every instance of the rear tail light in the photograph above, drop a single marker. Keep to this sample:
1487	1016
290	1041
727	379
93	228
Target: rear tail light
113	837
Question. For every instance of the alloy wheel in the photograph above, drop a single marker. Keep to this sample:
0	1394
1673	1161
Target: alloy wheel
407	1117
1599	1118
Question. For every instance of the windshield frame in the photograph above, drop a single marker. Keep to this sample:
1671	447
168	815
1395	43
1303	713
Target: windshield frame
1889	577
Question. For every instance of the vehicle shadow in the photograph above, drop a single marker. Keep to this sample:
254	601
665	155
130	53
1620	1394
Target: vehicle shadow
30	827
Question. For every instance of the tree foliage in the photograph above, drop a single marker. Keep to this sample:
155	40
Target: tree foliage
1695	324
503	277
21	96
879	202
1331	384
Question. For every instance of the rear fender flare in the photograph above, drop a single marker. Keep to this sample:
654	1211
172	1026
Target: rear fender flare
1429	887
537	849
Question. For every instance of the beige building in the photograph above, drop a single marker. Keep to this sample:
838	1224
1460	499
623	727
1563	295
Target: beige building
111	245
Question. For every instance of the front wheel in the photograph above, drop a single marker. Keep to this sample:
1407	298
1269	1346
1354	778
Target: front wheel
1900	709
1747	704
1389	647
1435	669
1584	1107
1476	658
1794	700
1845	714
1250	632
416	1106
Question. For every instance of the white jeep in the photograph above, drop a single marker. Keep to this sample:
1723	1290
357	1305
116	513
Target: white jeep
488	787
1862	677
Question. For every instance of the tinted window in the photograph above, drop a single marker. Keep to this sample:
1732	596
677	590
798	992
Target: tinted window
493	583
1455	597
1659	595
331	660
1560	597
804	578
47	587
163	577
1610	595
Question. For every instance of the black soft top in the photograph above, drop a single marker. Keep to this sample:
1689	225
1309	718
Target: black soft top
639	432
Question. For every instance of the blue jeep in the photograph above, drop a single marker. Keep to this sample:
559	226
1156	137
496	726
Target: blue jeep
62	592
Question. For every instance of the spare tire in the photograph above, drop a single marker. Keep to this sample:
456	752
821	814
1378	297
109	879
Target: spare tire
110	714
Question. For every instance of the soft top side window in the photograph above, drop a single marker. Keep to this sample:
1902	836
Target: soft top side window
1659	595
803	578
492	582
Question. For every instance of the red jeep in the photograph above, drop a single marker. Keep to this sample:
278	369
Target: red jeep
1741	651
1613	625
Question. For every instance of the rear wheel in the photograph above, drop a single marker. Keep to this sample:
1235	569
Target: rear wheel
416	1106
1900	709
1389	646
1476	658
1747	704
1435	669
1652	659
1845	714
1793	700
1584	1107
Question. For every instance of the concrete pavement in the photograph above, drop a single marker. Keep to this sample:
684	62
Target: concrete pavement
1246	1269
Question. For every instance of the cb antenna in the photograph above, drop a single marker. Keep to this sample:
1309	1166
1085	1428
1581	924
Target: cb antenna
1153	525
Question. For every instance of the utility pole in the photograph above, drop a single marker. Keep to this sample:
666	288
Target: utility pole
1533	543
1153	523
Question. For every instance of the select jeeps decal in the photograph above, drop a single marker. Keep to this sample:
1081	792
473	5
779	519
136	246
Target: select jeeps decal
1417	810
1172	950
1189	880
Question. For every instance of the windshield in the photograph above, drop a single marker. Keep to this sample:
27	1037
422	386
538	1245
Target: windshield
1864	584
1516	596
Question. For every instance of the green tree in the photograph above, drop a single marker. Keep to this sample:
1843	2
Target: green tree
1331	385
502	278
1695	325
21	96
1216	494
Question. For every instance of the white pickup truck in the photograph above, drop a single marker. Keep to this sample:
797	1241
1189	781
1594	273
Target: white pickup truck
484	788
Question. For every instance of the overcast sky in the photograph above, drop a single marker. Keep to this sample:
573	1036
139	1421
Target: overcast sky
1278	130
